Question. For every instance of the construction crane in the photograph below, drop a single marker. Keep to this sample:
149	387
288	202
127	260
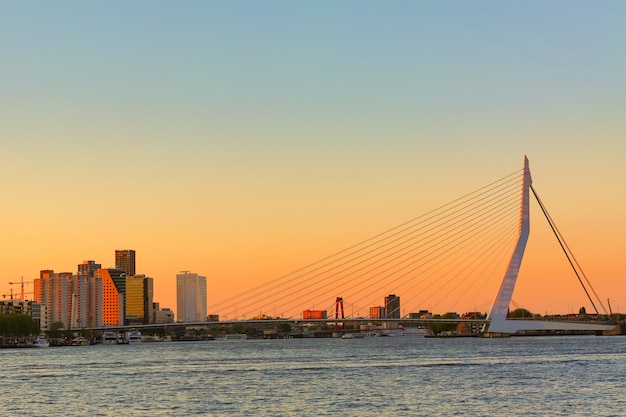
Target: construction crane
22	292
11	295
28	293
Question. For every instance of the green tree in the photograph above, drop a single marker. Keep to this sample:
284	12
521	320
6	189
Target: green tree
55	329
520	313
236	328
437	328
20	325
284	327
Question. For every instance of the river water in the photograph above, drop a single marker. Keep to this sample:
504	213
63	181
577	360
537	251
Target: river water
377	376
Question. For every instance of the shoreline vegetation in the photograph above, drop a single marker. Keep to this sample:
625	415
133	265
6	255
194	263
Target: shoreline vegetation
25	343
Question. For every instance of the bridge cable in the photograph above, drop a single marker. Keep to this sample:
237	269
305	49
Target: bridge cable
396	240
567	253
401	256
250	294
406	253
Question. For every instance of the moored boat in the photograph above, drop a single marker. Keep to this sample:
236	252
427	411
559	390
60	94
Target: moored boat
133	338
233	336
40	342
415	331
110	338
353	335
80	341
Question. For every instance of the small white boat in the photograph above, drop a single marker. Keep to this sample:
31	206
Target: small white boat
153	338
40	342
133	338
80	341
156	338
233	336
415	331
353	335
110	338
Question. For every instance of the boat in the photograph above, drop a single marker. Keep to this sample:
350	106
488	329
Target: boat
233	336
153	338
415	331
156	338
133	338
40	342
353	335
80	341
110	338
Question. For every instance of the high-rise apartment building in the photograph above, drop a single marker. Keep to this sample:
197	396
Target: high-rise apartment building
191	294
392	306
125	260
88	268
74	300
54	291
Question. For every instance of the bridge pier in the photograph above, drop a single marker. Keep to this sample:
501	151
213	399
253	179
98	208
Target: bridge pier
618	330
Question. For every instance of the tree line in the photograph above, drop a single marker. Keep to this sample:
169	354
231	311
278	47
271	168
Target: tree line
18	325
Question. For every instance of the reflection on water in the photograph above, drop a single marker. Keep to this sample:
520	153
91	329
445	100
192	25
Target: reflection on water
526	376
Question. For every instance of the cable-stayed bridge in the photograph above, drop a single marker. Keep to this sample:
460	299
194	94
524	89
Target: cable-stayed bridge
452	258
464	256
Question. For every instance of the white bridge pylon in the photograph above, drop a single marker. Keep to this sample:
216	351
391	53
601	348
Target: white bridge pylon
498	323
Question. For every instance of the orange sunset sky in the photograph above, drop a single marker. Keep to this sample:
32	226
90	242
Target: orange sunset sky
242	141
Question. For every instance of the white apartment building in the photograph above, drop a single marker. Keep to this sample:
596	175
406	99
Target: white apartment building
190	297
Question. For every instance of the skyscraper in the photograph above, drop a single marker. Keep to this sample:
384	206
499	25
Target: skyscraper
125	260
392	306
113	310
139	294
190	297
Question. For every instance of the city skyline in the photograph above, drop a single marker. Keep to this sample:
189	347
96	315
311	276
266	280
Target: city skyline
246	142
94	296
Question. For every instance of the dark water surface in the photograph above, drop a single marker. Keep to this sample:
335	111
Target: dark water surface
378	376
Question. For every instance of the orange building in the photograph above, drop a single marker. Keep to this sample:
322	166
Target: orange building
313	314
377	312
112	300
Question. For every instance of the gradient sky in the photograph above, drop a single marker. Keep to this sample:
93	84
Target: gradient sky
242	140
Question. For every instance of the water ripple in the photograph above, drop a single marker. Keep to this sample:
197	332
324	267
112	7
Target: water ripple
322	377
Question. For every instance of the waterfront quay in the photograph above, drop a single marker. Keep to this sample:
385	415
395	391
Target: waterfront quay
275	329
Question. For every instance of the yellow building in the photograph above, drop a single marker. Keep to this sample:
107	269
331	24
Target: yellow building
139	290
